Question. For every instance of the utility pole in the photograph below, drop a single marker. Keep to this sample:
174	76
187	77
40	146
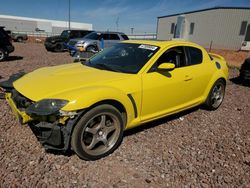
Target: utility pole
69	14
132	30
117	23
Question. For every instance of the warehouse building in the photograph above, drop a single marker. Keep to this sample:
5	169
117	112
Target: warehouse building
219	27
31	25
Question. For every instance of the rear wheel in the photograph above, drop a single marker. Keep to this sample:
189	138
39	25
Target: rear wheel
3	55
19	39
216	95
98	133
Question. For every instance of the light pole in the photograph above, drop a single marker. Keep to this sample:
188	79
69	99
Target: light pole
132	30
69	14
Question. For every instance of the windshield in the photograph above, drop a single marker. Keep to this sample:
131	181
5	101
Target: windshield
65	34
123	57
93	36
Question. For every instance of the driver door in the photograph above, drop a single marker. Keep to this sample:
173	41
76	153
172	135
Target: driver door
166	91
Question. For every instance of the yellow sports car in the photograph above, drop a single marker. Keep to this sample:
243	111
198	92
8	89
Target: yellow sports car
86	107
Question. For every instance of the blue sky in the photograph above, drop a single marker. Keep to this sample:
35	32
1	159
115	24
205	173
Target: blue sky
104	14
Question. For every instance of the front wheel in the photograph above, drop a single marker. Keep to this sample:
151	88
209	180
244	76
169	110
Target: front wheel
59	47
216	95
98	133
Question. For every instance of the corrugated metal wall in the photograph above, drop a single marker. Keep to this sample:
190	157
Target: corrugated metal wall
222	26
18	25
29	25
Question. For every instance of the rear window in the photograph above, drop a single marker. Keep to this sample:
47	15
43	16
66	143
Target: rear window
125	37
195	55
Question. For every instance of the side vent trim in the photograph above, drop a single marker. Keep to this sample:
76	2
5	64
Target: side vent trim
134	105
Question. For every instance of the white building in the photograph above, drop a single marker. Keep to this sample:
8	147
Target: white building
29	25
221	27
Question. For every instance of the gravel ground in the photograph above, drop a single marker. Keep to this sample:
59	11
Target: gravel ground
197	148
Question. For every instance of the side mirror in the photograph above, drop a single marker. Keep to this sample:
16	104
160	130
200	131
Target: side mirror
166	66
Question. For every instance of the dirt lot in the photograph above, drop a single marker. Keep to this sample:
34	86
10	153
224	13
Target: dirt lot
197	148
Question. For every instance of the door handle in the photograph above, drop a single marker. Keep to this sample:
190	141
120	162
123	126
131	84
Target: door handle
188	78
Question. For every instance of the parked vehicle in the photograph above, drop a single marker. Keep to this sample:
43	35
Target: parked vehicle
87	107
6	46
56	43
95	41
245	71
17	37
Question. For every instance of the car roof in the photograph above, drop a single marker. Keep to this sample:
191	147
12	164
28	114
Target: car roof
110	32
162	43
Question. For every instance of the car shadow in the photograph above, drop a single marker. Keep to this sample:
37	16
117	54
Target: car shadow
13	58
160	121
237	80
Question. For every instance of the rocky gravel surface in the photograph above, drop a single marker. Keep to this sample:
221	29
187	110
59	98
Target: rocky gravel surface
197	148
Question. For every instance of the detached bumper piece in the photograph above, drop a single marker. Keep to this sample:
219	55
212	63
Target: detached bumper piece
54	136
48	133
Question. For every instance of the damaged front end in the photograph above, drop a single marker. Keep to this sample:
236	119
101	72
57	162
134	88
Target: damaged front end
51	125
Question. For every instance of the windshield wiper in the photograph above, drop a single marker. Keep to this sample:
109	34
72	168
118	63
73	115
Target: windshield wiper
105	67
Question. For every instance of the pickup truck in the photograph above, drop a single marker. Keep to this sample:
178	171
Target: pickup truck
17	37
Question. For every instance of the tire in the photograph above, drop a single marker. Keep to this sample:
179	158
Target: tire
19	39
59	47
91	49
216	95
98	133
3	55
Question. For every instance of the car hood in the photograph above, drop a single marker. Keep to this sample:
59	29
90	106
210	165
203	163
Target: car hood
50	81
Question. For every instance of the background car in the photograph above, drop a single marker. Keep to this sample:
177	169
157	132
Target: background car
56	43
95	41
87	107
17	37
6	46
245	71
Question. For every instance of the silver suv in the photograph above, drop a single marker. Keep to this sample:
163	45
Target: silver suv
95	41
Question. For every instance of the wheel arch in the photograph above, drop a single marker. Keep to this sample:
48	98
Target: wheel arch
118	105
211	83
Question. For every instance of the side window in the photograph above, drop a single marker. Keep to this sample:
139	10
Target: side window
173	55
75	34
83	33
105	36
114	37
194	56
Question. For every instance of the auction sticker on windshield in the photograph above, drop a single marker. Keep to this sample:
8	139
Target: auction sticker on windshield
148	47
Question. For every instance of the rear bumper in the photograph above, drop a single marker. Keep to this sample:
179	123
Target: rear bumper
245	74
10	48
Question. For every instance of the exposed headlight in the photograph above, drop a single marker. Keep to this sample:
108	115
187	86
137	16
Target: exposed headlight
52	41
46	107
